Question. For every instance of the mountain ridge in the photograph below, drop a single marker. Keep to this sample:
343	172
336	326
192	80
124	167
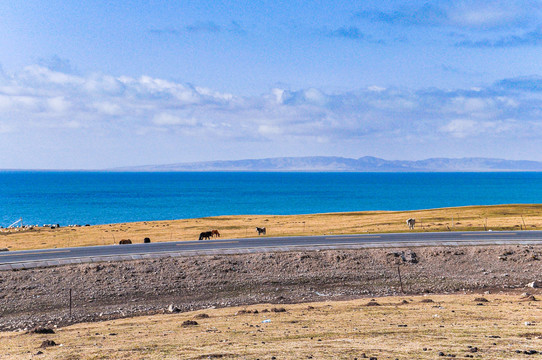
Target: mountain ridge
344	164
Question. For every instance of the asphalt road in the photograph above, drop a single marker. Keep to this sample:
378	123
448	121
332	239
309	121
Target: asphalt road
58	256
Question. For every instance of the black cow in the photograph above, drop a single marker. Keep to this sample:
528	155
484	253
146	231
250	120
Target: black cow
260	231
205	235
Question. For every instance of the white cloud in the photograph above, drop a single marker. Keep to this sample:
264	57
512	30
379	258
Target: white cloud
121	108
269	130
58	105
462	128
169	119
376	88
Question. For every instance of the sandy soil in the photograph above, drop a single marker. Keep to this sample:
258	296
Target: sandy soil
115	290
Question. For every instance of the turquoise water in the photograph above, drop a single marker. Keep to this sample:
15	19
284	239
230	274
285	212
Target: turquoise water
101	197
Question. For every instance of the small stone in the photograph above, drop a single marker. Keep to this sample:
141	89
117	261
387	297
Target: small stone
48	343
173	309
189	323
41	330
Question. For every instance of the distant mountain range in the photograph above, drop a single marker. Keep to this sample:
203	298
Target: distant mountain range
363	164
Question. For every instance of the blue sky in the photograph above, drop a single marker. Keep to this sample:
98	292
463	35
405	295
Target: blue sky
97	84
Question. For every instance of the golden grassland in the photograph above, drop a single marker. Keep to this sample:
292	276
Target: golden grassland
408	327
499	217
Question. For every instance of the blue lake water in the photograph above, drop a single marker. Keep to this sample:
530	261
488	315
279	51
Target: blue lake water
107	197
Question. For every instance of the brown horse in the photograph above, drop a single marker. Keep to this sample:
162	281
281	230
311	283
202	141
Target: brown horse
215	233
125	241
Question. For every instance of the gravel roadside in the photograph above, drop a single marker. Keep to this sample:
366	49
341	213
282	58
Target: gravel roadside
112	290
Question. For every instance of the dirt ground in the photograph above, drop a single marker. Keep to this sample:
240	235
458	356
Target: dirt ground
488	326
107	291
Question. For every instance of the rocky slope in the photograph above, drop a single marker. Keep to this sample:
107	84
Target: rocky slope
112	290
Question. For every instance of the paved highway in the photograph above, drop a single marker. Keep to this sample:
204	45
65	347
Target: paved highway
58	256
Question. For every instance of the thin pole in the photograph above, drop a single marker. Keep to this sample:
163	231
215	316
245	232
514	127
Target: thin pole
400	280
70	303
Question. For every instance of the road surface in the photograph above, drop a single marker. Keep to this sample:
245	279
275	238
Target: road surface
58	256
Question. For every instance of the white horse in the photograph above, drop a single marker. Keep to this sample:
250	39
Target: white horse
411	222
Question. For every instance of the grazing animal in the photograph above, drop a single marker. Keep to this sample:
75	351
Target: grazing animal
125	241
411	222
260	231
205	235
215	233
146	240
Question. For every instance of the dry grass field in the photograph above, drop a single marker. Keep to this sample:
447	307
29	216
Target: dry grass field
495	326
500	217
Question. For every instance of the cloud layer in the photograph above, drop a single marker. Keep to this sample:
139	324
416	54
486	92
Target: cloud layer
42	101
479	23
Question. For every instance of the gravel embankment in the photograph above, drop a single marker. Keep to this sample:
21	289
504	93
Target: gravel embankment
112	290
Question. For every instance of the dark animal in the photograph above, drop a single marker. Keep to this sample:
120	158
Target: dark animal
125	241
260	231
146	240
215	233
205	235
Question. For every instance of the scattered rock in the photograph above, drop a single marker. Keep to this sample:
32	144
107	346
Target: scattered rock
535	284
41	330
201	316
278	310
426	301
189	323
47	343
481	299
173	309
372	303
